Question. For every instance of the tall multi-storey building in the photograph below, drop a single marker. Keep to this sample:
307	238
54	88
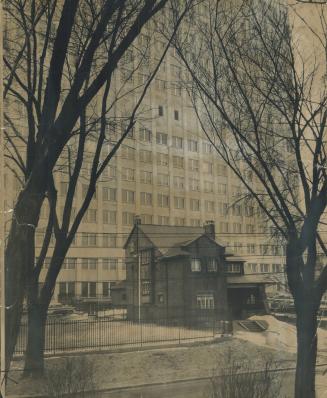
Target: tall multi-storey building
166	172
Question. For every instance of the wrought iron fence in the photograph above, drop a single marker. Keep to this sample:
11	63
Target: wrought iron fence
107	333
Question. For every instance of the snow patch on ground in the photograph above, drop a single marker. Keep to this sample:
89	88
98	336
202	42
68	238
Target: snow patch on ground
280	335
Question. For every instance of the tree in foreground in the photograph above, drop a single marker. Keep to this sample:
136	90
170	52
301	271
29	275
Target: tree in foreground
62	61
262	105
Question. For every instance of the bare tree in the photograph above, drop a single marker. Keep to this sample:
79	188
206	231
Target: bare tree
262	105
59	57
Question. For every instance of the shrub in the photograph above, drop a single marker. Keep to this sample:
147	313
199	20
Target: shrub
236	378
70	377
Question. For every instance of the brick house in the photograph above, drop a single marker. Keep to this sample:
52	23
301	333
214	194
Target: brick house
175	271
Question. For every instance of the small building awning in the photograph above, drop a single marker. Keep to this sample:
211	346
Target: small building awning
230	257
239	281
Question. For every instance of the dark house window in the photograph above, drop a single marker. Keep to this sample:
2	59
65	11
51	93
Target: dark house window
145	256
196	265
71	289
146	288
176	115
233	268
212	265
89	289
62	288
66	290
85	289
93	289
106	289
145	264
205	301
160	298
162	138
160	110
251	299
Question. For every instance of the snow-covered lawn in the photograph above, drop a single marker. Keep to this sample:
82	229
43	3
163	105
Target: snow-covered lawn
185	362
160	365
280	336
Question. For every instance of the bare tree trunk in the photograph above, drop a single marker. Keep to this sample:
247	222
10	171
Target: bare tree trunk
306	353
38	304
34	355
15	287
20	255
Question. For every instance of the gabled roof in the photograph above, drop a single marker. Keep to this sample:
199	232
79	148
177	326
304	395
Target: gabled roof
174	252
165	237
169	239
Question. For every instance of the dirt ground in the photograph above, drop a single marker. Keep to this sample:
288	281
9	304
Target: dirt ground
157	365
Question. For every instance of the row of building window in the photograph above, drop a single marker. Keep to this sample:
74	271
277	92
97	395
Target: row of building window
211	265
145	135
88	289
163	139
129	174
263	249
127	75
194	184
146	177
265	268
197	265
203	300
90	263
177	142
163	200
162	159
208	264
85	239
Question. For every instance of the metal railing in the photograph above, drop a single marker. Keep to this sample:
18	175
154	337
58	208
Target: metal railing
94	334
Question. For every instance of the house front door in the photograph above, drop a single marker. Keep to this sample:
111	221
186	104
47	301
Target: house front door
234	303
244	301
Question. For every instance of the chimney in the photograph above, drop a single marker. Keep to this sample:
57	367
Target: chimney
209	229
137	220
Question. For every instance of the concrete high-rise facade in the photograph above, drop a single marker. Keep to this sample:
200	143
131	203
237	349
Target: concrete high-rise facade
166	172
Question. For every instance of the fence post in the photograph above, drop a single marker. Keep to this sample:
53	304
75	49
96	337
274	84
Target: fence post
54	336
179	333
141	324
213	326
